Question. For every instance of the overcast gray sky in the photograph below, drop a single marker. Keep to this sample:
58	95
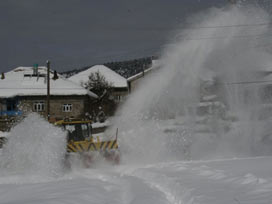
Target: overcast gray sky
76	33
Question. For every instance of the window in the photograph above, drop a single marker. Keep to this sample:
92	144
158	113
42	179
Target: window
67	107
38	106
118	98
78	132
11	105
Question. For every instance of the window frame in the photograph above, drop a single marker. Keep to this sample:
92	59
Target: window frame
67	107
39	106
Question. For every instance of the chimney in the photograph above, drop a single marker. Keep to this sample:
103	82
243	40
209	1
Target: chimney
2	75
55	77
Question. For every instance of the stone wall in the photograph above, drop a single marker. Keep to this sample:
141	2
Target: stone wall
78	104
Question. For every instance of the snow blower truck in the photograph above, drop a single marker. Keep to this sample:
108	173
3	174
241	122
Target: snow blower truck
83	145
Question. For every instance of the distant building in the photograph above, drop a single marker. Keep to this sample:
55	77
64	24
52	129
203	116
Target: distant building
135	80
119	87
25	89
118	83
132	67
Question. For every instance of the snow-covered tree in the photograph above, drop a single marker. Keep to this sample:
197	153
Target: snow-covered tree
98	85
105	104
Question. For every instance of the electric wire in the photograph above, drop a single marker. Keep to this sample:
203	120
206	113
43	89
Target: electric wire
247	82
229	26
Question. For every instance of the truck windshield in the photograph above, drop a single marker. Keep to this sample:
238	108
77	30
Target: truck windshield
78	132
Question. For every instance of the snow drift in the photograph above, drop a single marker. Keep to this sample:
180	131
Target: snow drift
34	147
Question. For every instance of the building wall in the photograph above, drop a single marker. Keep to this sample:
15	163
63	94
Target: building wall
78	104
119	94
135	81
134	84
3	106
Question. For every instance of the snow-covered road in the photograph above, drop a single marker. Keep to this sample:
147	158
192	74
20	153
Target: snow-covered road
222	181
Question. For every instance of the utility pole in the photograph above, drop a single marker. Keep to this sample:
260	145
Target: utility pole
48	89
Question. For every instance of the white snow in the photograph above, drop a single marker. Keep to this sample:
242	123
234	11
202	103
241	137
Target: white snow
16	83
246	181
112	77
209	98
98	125
31	172
4	134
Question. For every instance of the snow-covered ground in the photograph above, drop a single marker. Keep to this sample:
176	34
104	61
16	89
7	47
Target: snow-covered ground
238	181
4	134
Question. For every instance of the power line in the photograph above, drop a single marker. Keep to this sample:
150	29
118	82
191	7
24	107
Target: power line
188	27
42	88
226	37
247	82
229	26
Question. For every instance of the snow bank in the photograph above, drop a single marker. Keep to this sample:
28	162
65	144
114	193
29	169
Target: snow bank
34	147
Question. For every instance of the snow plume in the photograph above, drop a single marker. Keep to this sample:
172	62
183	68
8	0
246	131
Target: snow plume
34	147
222	47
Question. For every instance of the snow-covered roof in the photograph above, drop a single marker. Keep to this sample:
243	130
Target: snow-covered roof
22	82
112	77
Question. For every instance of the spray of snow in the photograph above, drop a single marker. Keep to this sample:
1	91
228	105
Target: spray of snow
34	147
159	120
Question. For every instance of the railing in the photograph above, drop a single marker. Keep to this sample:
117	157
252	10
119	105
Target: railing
11	113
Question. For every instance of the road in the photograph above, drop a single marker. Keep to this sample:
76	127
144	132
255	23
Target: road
215	182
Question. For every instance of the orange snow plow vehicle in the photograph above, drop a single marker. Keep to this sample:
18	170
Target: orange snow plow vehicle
81	143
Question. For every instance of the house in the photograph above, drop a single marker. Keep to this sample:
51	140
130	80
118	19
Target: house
117	82
25	89
135	80
118	85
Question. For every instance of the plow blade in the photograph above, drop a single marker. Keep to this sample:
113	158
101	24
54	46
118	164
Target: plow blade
89	150
88	146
